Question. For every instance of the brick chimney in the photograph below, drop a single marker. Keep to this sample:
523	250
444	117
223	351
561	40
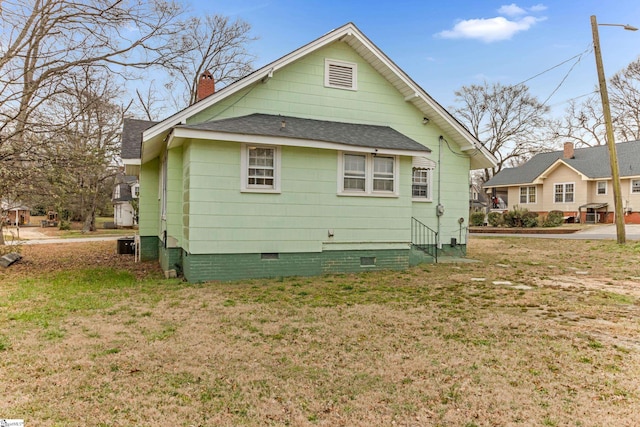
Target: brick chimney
568	150
206	86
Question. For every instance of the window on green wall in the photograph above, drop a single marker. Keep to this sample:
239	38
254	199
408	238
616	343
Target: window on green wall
368	174
421	184
260	168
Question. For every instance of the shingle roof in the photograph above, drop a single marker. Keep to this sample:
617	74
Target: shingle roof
593	162
132	137
316	130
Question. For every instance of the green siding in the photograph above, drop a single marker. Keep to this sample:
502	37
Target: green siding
149	203
174	198
214	223
224	220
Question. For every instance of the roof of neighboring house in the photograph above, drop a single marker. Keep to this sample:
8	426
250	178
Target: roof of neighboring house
13	205
592	162
315	130
132	137
350	34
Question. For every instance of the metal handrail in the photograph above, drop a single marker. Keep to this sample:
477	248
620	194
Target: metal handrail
424	238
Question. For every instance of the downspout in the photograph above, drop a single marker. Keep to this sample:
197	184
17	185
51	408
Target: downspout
439	208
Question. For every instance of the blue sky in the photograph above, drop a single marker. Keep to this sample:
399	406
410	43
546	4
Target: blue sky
444	45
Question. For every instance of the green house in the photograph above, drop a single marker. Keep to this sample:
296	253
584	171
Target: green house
329	159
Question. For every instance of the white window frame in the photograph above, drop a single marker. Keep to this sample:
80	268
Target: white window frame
329	63
564	192
369	176
631	187
429	184
527	196
606	188
245	187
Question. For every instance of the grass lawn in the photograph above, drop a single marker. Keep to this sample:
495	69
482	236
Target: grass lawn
541	332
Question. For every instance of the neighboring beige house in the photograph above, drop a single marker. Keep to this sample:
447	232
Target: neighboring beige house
575	181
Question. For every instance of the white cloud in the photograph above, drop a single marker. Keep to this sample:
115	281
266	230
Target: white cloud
511	10
488	30
511	21
538	8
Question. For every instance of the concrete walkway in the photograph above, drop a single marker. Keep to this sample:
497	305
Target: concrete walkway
33	236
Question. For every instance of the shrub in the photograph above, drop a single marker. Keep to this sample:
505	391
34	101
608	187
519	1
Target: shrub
554	219
476	219
520	218
65	225
530	219
495	219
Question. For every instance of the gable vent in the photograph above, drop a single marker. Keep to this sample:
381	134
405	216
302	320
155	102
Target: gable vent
340	75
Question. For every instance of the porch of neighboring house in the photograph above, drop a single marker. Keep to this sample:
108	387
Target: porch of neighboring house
593	213
19	216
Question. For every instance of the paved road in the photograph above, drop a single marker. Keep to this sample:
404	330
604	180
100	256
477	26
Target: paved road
598	232
69	240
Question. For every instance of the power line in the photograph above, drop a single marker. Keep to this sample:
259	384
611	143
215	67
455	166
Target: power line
579	56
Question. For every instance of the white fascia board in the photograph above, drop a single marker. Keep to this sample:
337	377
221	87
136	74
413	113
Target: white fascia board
255	77
554	166
180	134
418	94
131	161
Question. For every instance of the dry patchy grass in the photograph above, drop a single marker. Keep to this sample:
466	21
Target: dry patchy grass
91	338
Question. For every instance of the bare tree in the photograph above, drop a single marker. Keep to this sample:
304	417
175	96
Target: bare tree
213	43
624	96
582	124
86	148
45	40
506	119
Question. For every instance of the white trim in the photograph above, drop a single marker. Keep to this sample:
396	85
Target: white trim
528	195
545	173
328	63
564	192
244	170
133	162
429	196
185	133
350	34
369	176
606	188
631	186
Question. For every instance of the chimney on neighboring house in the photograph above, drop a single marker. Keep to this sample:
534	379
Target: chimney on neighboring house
568	151
206	86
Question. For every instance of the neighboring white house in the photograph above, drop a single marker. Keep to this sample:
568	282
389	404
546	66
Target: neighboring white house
125	195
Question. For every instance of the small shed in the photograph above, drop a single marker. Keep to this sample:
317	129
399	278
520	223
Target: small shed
593	212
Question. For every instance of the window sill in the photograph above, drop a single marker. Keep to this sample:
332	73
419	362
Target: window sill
260	190
421	200
362	194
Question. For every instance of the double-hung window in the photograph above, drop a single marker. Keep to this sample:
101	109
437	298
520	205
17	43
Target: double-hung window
355	172
383	174
601	188
368	174
421	184
564	193
635	186
260	168
528	194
